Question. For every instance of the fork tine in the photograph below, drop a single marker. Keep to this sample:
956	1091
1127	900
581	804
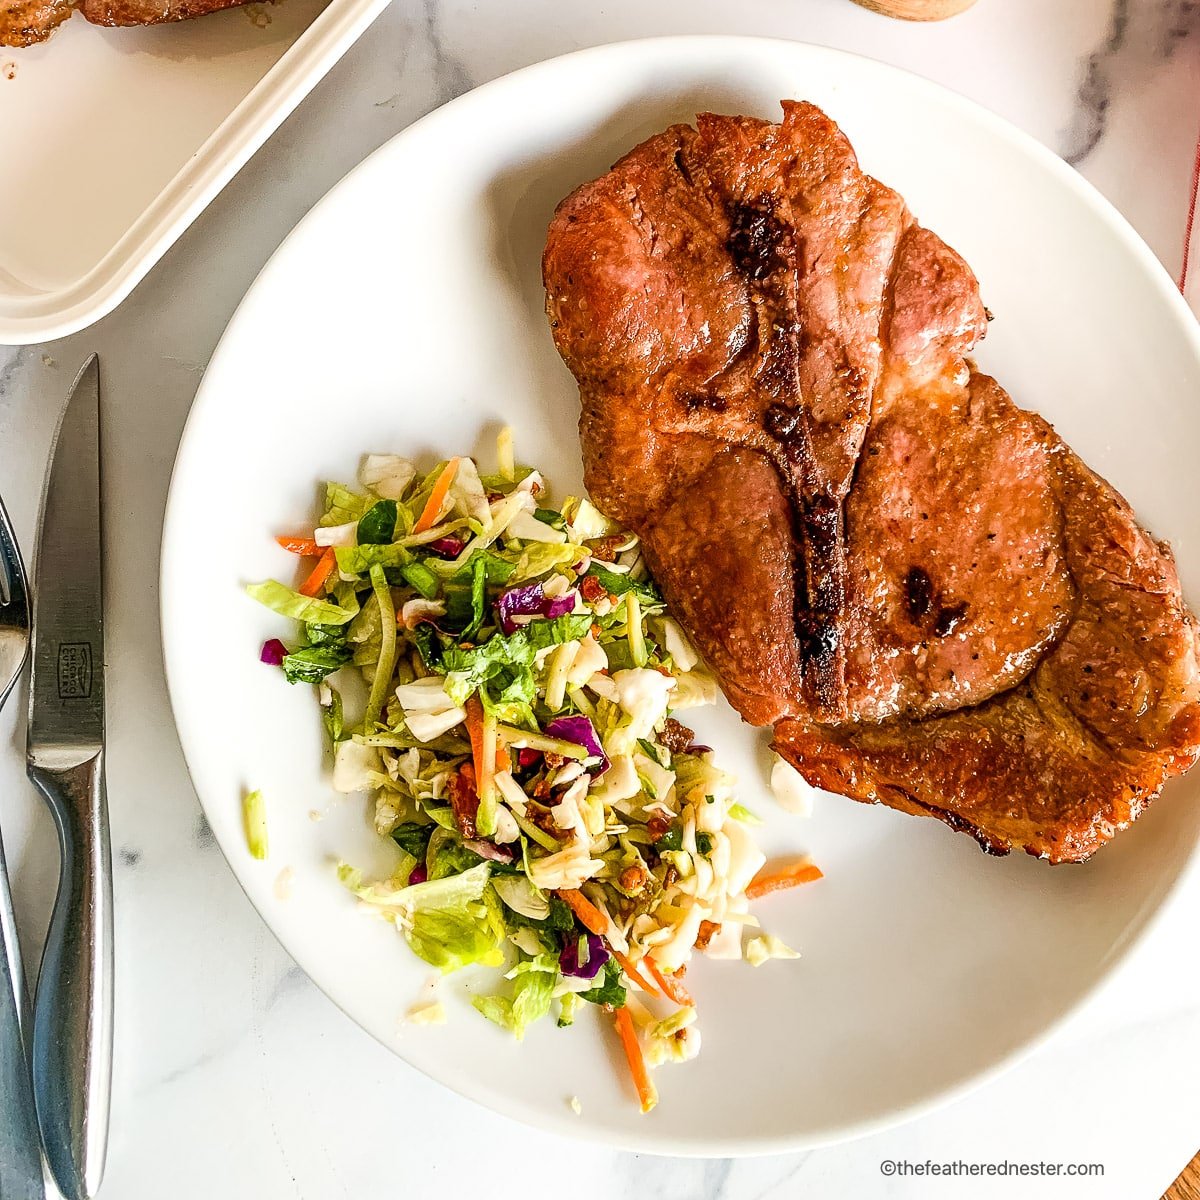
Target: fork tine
14	592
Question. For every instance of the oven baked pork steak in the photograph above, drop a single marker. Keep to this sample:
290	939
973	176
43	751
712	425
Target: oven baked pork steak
27	22
933	600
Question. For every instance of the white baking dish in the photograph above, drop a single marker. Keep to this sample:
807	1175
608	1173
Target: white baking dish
113	140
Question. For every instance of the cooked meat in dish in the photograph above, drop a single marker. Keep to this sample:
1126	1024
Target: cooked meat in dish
24	22
933	600
149	12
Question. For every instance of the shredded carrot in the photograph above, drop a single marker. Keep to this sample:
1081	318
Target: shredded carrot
801	871
647	1093
433	506
590	917
474	707
301	545
670	985
315	583
633	973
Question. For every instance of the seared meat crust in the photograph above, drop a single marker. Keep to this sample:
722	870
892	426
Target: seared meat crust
26	22
933	600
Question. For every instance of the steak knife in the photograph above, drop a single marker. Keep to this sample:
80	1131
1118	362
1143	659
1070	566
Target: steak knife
72	1020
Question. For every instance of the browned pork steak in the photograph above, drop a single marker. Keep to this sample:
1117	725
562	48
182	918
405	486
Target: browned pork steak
930	596
150	12
25	22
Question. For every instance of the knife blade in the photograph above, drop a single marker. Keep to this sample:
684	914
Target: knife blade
72	1020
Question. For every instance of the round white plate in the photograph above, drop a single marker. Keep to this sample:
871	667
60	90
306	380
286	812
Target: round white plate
405	314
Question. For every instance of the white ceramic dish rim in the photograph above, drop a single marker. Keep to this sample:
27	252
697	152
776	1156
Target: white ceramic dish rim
53	314
1139	928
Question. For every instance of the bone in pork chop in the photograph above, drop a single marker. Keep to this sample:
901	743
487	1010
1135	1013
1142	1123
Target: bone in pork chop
933	600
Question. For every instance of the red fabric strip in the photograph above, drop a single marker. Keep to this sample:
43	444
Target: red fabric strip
1191	218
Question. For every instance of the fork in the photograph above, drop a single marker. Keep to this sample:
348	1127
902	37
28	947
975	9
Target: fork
20	1156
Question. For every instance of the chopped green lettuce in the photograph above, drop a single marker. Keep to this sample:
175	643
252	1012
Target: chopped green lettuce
419	576
619	655
381	684
429	645
502	667
739	812
696	778
449	856
342	505
671	840
541	557
550	516
634	631
313	663
308	609
497	569
358	560
532	992
413	838
561	919
444	920
377	526
326	652
501	483
441	815
331	715
325	635
383	893
478	605
345	594
658	754
619	584
609	990
457	599
543	633
567	1004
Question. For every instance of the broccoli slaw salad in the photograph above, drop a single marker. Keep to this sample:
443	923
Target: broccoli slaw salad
521	688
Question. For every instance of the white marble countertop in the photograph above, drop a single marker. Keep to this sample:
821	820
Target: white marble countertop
234	1075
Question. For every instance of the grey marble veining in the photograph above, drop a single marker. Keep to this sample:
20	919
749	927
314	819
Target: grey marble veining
1141	39
235	1076
1095	90
450	77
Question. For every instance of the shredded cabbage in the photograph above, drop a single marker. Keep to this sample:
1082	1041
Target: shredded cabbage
761	949
791	789
518	672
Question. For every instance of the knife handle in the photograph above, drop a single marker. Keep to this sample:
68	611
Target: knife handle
20	1154
72	1021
